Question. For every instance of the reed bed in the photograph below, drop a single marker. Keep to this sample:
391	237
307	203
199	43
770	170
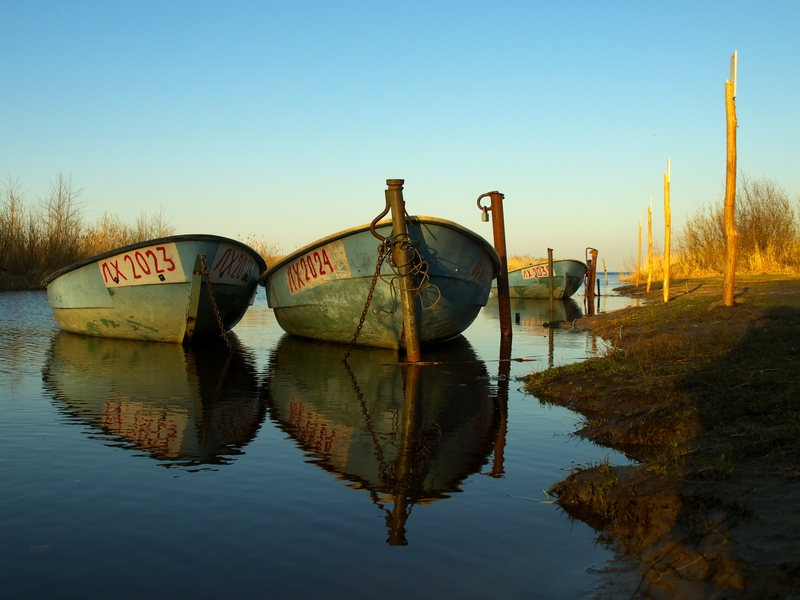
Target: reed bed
271	253
36	240
522	260
767	232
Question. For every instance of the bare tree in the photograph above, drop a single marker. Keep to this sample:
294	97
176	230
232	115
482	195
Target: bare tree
62	228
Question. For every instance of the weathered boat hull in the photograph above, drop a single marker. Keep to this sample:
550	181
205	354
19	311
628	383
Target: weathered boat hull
156	290
320	291
533	281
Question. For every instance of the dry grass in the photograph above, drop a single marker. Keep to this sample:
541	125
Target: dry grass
271	253
767	234
707	398
35	241
522	260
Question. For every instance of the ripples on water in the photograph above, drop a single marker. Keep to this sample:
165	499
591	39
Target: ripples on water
139	469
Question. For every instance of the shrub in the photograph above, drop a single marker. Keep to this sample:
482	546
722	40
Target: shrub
767	231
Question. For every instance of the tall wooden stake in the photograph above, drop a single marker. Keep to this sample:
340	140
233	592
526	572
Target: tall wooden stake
649	244
729	275
667	231
639	253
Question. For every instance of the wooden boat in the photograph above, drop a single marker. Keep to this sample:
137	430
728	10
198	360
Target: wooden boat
408	435
181	405
533	281
157	290
320	290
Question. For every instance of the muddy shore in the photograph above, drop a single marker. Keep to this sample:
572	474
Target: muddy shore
706	399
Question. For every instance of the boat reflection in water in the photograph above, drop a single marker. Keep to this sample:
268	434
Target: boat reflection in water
407	434
532	316
187	406
535	312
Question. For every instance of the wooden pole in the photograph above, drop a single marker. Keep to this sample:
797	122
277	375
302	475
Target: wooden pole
550	284
639	254
667	227
402	259
729	275
649	244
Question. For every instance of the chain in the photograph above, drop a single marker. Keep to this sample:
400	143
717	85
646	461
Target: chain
214	303
419	270
383	252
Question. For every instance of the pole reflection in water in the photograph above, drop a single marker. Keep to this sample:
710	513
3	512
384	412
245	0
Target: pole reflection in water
501	400
187	406
407	434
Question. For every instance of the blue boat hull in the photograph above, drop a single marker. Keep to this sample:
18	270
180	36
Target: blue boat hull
533	281
156	290
319	292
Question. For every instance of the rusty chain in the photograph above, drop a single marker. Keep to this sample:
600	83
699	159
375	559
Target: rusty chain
214	303
419	269
383	252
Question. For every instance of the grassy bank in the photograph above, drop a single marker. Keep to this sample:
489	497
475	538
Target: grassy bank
707	399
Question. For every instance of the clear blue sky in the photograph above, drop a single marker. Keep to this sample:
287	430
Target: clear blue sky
284	119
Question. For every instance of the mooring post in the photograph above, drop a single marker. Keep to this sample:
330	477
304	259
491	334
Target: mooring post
552	293
402	260
590	276
499	232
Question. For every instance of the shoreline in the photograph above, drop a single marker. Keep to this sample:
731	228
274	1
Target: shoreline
707	399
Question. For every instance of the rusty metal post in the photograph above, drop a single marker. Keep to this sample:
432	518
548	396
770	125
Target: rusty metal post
590	276
499	232
402	260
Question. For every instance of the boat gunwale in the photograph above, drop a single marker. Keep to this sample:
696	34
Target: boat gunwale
185	237
421	219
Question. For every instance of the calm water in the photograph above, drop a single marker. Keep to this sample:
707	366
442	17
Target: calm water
139	470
